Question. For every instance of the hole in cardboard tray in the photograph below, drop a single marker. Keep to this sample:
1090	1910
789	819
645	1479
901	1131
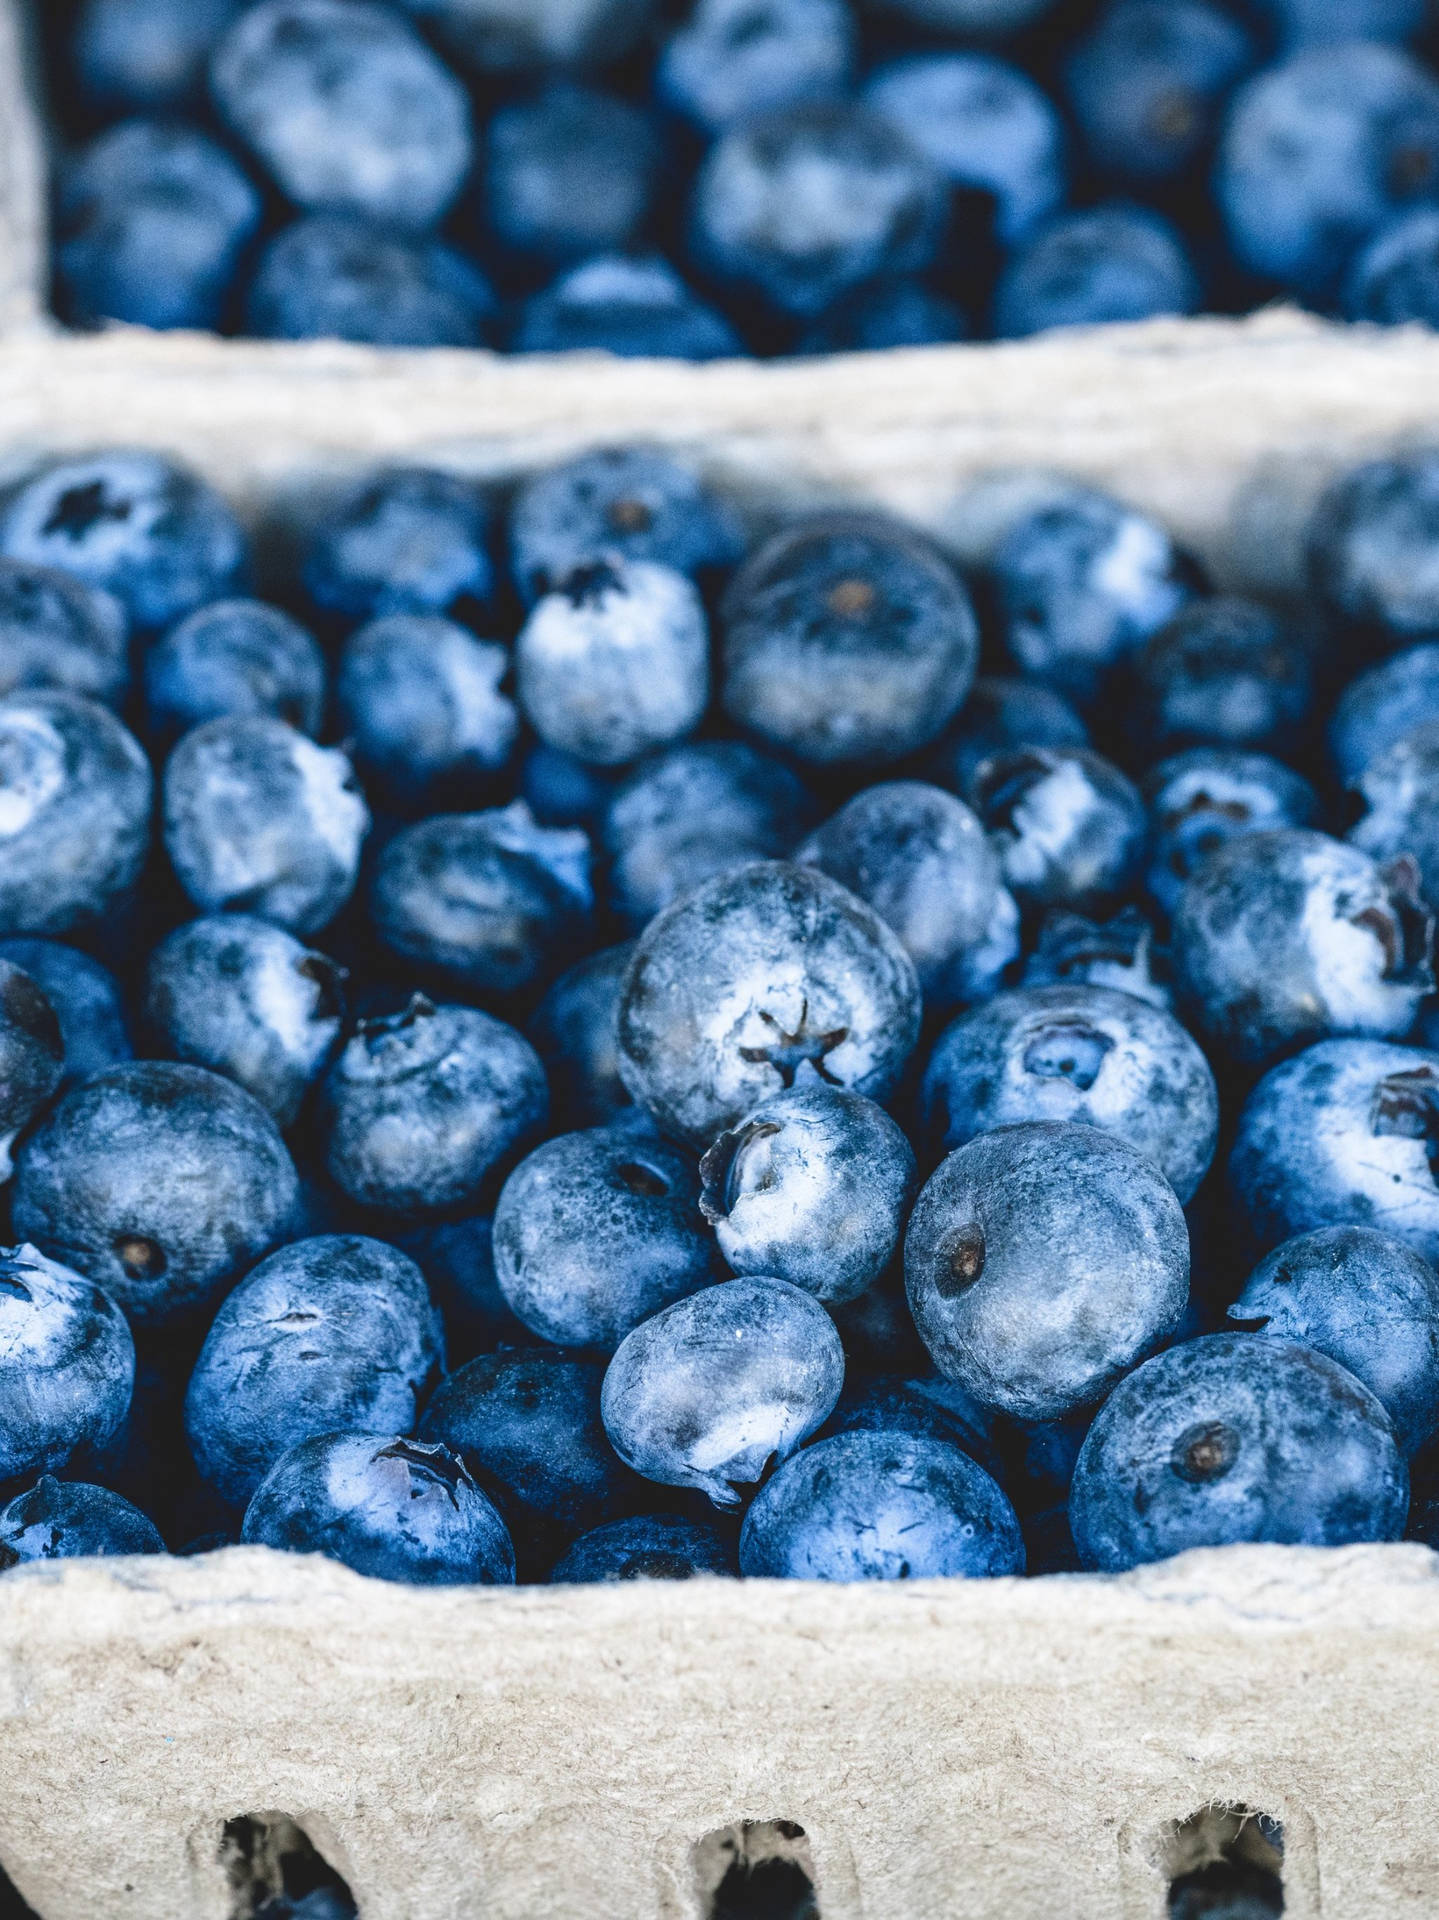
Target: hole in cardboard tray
277	1873
756	1870
1225	1863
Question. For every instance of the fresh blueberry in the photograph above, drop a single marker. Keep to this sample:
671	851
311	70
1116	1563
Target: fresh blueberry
488	902
922	861
1319	152
86	1001
561	791
258	819
575	1032
1394	281
1225	672
230	658
1229	1439
928	1408
32	1056
147	55
998	715
813	1187
338	277
696	811
1346	1134
1402	822
1041	1262
596	1231
1202	800
569	173
1092	268
75	799
1067	826
507	36
615	661
1118	953
161	1182
422	1106
847	637
1377	710
395	1509
421	708
1077	1053
732	58
660	1546
136	524
406	540
757	971
58	633
799	204
347	108
880	1506
986	126
68	1367
715	1389
63	1520
632	502
246	999
888	313
330	1335
1371	548
152	222
636	307
1307	23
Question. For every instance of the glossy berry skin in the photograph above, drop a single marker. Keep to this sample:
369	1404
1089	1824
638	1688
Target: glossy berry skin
633	306
1225	672
740	981
136	524
258	819
395	1509
334	276
404	540
65	1520
1202	800
1370	543
139	55
1119	954
76	824
998	715
574	1032
422	1106
32	1055
161	1182
1093	268
1366	1300
846	638
1041	1262
1068	827
68	1367
1083	1054
880	1506
1282	938
58	633
596	1231
246	999
659	1546
1228	1439
229	658
1342	1135
1401	826
733	58
800	204
568	174
813	1187
615	661
86	1001
1394	281
331	1334
1374	712
715	1388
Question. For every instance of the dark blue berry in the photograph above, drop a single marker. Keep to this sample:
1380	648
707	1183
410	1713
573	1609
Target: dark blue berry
1371	544
657	1546
1091	268
1068	827
63	1520
421	708
233	658
338	277
732	58
1377	710
575	1033
569	173
67	1371
997	715
86	1001
405	540
1202	800
633	306
1226	672
142	55
32	1056
58	633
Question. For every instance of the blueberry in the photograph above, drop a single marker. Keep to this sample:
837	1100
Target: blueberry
846	638
801	203
503	36
246	999
1041	1262
888	313
1202	800
1343	1135
928	1408
568	174
1000	714
68	1369
1230	1439
423	1105
1394	280
86	1001
812	1187
981	19
636	307
152	222
1077	1053
1375	711
32	1056
633	502
1304	23
755	972
1067	826
986	126
1402	822
457	1260
1224	671
922	861
1371	548
575	1033
405	540
420	703
1319	152
615	661
62	1520
1092	268
395	1509
660	1546
696	811
1364	1299
258	819
1118	953
347	108
75	797
561	791
596	1231
231	658
732	58
136	524
880	1506
159	1181
142	55
716	1388
488	902
58	633
338	277
329	1335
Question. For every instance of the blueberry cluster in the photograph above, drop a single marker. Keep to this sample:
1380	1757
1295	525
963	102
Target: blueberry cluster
756	176
578	1042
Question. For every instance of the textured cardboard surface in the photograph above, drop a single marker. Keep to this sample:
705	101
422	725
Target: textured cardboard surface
22	179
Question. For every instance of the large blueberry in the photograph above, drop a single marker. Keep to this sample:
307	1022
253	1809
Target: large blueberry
632	305
140	55
405	540
86	999
1226	671
884	314
650	1546
1067	826
569	173
1118	953
1375	711
1092	268
732	58
32	1055
67	1367
1371	544
575	1033
58	632
335	276
63	1520
233	657
998	715
1401	826
1204	798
